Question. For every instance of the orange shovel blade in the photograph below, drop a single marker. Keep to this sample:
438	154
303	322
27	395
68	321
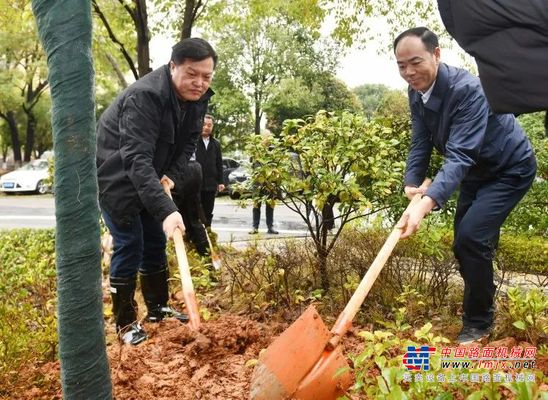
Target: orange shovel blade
328	380
290	358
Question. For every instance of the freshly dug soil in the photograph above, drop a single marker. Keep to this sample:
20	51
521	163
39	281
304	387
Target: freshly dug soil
177	363
174	363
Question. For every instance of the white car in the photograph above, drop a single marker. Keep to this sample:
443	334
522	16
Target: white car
29	178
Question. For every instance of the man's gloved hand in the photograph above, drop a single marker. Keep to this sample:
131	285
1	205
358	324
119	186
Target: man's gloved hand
172	222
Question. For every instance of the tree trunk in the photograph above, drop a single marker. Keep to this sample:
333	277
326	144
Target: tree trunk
143	37
192	10
29	142
258	116
322	263
188	19
65	31
14	134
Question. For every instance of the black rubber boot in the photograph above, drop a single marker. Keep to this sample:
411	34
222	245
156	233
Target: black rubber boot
155	292
124	309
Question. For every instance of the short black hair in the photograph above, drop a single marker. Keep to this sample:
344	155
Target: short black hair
209	116
429	38
192	48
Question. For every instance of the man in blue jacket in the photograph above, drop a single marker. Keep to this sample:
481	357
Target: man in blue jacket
487	155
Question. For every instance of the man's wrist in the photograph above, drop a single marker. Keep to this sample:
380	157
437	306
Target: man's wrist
427	204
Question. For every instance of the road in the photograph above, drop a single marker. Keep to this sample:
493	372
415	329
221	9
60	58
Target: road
230	222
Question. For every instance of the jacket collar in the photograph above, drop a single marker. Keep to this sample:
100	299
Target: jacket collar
440	88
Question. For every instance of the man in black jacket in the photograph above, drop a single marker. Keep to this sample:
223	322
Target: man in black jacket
146	136
208	154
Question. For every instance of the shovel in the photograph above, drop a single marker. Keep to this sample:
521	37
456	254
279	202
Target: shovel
305	362
184	270
215	259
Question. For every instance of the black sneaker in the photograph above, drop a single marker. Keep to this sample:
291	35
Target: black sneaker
160	313
272	231
254	231
133	334
469	334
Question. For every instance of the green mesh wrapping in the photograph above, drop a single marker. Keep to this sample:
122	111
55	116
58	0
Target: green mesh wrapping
65	31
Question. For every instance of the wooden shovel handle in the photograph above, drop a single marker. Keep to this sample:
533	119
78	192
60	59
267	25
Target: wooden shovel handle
184	270
347	315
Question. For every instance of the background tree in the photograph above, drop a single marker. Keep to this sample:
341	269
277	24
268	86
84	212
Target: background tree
370	96
232	111
193	9
137	11
299	98
262	42
22	76
65	31
393	103
330	158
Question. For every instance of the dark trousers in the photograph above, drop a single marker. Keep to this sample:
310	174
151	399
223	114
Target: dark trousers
257	215
189	207
208	203
139	246
481	210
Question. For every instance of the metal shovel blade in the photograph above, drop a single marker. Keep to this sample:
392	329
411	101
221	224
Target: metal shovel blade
216	261
328	379
289	358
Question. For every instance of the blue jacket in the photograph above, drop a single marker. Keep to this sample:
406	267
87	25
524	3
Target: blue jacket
475	143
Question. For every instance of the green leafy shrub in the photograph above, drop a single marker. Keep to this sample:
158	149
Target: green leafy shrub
524	254
380	373
27	298
527	312
265	280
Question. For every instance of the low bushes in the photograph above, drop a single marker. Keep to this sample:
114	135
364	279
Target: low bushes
27	299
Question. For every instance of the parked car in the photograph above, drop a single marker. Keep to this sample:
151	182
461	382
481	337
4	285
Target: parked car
29	178
229	165
237	181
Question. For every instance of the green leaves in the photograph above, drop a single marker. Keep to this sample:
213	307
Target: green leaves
529	310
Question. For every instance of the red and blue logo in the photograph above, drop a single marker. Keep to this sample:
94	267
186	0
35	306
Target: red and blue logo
418	358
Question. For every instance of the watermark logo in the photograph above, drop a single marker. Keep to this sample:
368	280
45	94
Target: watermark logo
471	364
418	358
491	358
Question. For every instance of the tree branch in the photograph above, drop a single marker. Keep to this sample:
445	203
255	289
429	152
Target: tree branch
113	37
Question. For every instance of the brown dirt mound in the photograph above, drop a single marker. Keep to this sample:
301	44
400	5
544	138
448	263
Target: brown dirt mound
178	363
174	363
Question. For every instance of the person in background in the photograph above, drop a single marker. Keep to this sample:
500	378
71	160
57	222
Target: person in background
145	137
486	155
208	154
187	199
269	210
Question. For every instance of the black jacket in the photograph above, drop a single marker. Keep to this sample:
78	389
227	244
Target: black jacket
211	161
144	134
509	40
